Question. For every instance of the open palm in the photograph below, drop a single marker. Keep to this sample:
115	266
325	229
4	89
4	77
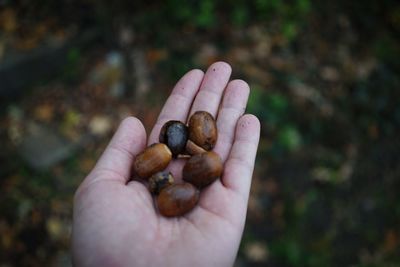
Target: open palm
115	220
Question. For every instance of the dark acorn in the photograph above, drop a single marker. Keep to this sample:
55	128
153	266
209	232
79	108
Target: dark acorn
175	135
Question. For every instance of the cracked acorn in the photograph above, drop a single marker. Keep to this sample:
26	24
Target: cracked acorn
159	181
200	170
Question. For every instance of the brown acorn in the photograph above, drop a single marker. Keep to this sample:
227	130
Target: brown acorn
153	159
202	169
203	130
177	199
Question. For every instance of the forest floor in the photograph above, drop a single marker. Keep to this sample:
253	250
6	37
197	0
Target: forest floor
325	190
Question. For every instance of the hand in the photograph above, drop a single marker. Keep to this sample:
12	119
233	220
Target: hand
115	222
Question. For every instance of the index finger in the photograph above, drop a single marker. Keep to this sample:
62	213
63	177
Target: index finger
179	102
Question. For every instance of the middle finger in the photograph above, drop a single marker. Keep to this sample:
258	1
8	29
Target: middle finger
212	88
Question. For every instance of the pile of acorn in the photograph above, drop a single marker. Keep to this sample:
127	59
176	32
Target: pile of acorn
202	168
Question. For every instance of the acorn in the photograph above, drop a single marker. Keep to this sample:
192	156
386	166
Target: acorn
175	135
153	159
203	169
202	131
159	181
177	199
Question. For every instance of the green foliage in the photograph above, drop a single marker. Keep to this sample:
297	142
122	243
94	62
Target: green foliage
240	15
277	102
290	251
291	14
289	137
289	30
178	64
205	17
387	49
269	107
255	102
293	247
210	14
266	8
200	14
71	69
274	110
181	10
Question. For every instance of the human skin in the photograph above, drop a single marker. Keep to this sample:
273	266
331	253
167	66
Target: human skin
115	222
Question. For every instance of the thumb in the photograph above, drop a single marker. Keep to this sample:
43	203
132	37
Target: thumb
116	161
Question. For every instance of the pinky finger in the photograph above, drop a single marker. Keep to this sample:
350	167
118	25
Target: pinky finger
240	164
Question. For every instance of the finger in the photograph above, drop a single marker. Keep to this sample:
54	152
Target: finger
212	88
232	108
221	198
179	102
116	161
240	164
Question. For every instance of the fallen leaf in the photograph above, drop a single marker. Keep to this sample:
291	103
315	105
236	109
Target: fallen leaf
100	125
256	251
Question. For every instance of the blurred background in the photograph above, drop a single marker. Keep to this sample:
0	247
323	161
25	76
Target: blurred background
325	80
